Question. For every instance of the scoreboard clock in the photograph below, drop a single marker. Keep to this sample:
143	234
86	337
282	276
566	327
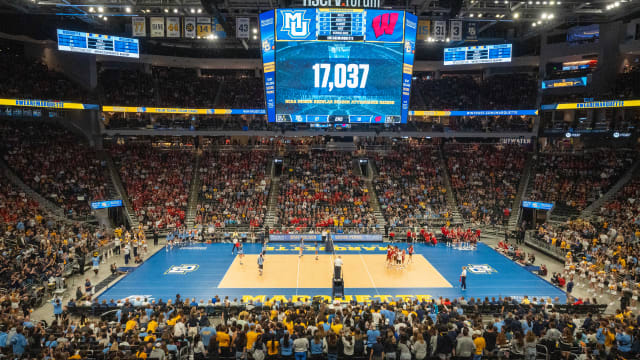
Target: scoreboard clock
337	65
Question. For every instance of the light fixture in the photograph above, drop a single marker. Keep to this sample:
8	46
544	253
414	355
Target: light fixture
539	22
471	15
543	16
448	39
537	2
255	37
497	15
199	11
175	11
100	9
552	2
480	15
91	9
544	3
255	31
104	18
127	9
550	16
166	10
193	10
534	24
516	15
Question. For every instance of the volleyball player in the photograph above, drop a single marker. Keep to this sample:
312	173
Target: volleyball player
410	253
240	253
301	247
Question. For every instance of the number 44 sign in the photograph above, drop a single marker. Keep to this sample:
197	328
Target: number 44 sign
242	28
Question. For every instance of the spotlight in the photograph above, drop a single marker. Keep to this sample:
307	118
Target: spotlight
100	9
91	9
127	9
516	15
175	11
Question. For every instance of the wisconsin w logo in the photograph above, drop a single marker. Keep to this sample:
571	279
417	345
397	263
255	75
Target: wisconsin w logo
384	24
295	24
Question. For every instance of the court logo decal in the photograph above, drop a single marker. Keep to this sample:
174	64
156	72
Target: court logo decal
482	269
181	269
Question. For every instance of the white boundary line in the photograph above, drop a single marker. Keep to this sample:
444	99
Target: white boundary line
298	276
373	284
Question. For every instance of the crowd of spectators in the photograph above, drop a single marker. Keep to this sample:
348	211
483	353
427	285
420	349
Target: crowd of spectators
235	188
575	180
124	87
55	163
599	256
157	182
623	211
320	189
529	328
36	251
179	87
409	185
500	92
25	78
485	179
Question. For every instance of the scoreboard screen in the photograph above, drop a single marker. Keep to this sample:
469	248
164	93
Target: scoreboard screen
337	65
478	54
97	44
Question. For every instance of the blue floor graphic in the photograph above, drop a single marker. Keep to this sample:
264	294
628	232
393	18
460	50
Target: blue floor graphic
196	271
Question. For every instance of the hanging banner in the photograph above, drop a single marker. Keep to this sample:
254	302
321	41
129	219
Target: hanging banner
138	26
439	30
423	30
456	30
242	28
217	29
173	27
471	34
203	27
157	26
190	27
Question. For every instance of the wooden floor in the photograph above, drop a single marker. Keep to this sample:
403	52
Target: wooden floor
359	271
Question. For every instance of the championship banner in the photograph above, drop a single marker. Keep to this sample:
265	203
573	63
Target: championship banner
47	104
190	27
439	30
423	30
456	30
157	26
203	28
138	26
242	28
173	27
470	33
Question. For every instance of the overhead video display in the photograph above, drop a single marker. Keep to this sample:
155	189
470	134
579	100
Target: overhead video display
338	65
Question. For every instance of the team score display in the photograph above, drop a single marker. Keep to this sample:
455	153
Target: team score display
350	75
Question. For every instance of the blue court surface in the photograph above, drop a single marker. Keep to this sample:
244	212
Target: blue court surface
203	271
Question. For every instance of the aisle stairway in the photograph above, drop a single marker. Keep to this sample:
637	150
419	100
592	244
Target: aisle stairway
373	196
455	216
270	216
119	188
516	209
194	193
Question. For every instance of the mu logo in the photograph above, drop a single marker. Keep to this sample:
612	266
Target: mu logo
384	24
295	24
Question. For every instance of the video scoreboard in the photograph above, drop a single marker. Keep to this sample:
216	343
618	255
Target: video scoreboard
478	54
341	66
99	44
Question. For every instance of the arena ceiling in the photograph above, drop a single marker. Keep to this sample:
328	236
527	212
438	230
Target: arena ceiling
521	19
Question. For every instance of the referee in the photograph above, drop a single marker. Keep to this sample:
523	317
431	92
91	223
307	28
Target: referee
260	263
463	278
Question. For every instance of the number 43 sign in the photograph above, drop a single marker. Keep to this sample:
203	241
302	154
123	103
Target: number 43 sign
242	28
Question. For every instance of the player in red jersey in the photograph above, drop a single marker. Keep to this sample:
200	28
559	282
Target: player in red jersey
410	253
